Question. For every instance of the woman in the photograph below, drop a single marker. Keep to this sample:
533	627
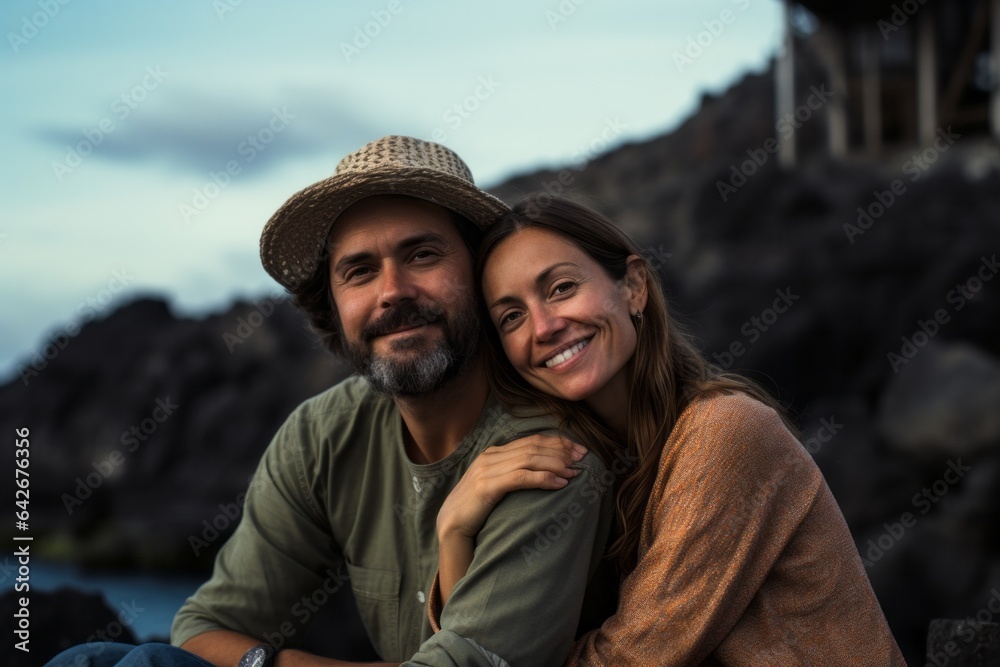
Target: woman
731	547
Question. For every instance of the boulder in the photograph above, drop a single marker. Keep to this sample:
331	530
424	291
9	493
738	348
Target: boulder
945	402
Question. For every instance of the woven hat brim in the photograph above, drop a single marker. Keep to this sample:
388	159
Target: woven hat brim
294	239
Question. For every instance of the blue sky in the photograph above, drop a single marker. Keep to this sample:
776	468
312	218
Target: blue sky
117	115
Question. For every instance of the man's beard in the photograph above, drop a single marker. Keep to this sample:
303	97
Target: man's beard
421	371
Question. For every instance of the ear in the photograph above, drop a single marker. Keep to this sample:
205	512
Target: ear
636	282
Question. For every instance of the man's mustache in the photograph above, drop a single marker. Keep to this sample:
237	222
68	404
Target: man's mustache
406	315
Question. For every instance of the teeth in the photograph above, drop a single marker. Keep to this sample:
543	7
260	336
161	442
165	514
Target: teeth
566	354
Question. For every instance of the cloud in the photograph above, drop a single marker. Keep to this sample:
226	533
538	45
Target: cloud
195	131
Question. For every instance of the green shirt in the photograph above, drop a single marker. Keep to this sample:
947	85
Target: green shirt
335	501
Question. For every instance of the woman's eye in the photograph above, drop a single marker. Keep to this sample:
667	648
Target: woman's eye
509	318
563	287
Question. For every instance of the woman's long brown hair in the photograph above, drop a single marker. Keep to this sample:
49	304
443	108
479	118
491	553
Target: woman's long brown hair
667	372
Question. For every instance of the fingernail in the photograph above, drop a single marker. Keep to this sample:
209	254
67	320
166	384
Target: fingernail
561	481
579	451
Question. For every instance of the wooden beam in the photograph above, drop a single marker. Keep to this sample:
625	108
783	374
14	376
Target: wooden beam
995	52
962	72
830	41
927	121
871	90
784	90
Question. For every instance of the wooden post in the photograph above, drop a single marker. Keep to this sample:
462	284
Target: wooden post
831	40
926	78
995	49
871	90
784	90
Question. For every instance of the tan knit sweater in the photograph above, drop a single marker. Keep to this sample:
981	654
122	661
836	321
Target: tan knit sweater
744	557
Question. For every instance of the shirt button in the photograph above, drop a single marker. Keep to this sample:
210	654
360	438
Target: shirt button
421	598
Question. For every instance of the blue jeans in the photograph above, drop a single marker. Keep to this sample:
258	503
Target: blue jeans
107	654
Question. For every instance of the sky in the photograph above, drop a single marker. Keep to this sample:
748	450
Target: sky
146	144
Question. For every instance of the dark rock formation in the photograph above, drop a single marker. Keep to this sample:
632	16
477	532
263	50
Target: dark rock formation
963	643
946	402
62	619
145	428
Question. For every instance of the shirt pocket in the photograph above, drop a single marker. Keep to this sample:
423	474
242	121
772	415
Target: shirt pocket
377	596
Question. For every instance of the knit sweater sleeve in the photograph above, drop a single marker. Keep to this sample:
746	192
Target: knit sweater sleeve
732	489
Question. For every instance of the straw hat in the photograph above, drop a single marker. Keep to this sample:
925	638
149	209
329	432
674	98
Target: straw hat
294	239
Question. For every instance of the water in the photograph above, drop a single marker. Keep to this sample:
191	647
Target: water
156	594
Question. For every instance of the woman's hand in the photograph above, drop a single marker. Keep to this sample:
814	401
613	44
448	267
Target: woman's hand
533	462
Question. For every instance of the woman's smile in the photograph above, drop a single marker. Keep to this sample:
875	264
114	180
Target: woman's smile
560	359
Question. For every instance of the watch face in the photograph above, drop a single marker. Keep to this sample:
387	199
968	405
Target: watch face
258	656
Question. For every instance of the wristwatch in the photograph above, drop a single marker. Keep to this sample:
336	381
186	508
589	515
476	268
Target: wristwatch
261	655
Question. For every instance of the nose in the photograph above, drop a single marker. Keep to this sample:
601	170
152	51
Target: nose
546	324
395	286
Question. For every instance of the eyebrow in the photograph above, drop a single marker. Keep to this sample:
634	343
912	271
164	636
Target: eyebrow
542	278
404	244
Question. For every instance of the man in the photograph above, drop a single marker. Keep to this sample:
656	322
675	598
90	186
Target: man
380	258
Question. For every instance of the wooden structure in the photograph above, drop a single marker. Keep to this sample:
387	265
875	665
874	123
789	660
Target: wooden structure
899	70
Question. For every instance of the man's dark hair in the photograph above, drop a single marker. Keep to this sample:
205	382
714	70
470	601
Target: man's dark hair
315	299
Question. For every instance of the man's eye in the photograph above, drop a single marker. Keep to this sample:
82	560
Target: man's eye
424	254
357	273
